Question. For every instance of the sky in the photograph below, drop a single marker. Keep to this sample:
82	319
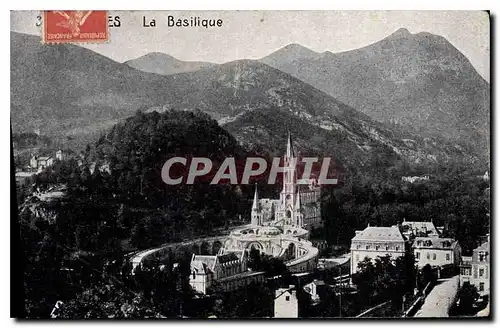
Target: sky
255	34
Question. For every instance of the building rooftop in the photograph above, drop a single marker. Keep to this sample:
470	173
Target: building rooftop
419	226
379	234
227	258
24	174
203	262
200	266
434	242
242	275
484	246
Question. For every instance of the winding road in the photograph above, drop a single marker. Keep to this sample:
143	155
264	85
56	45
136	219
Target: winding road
438	302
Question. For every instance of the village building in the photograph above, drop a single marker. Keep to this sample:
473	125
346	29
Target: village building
226	269
413	179
373	242
41	162
59	155
437	252
314	290
24	179
286	303
412	229
476	269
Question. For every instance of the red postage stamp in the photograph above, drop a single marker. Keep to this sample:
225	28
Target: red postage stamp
63	26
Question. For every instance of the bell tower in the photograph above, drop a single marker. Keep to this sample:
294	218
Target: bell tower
289	175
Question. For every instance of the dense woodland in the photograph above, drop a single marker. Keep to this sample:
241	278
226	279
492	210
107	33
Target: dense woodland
457	200
116	202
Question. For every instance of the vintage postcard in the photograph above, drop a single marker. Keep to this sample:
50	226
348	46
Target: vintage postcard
250	164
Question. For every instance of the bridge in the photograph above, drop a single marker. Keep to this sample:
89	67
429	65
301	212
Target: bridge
204	245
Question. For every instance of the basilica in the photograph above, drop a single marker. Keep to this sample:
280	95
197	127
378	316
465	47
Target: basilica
298	205
278	227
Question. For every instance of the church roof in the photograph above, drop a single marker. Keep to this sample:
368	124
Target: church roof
202	262
200	266
379	234
227	258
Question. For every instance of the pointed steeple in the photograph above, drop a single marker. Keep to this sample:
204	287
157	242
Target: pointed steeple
255	205
298	205
289	147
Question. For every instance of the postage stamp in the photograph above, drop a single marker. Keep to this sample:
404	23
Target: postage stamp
63	26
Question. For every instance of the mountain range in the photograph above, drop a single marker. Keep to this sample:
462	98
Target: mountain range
67	90
418	81
160	63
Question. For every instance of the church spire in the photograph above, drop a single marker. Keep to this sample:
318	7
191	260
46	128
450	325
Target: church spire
298	205
255	205
257	216
289	147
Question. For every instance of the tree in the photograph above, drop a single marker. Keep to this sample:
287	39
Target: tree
272	266
427	276
364	279
467	296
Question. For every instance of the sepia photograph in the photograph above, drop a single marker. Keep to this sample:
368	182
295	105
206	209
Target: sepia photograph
250	164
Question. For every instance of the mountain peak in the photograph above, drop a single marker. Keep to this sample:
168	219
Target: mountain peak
295	48
164	64
400	33
289	53
157	54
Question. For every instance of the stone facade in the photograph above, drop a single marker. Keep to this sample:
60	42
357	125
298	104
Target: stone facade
376	241
286	304
228	269
277	228
298	204
39	163
476	269
437	252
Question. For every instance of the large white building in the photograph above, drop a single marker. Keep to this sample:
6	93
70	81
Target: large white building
435	251
376	242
